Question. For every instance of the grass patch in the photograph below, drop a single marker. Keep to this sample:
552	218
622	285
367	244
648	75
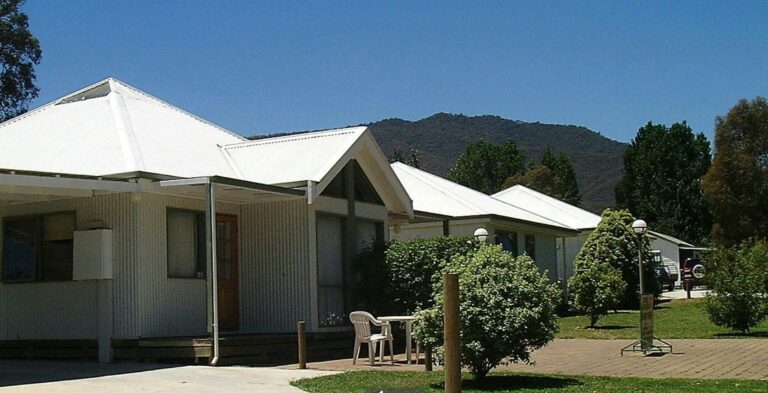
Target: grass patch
672	319
412	382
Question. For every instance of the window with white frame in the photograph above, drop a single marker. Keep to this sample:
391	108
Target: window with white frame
186	243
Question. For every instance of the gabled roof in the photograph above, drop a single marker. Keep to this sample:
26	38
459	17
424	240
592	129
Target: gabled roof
435	195
547	206
294	158
313	159
110	128
669	238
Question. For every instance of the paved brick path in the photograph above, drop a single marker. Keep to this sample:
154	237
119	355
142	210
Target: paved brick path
711	359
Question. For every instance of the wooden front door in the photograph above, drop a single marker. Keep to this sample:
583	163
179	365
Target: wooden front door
226	263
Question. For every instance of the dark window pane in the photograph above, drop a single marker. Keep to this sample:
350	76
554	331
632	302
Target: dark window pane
508	241
57	261
58	233
20	249
530	246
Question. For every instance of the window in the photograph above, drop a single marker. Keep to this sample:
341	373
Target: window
364	190
38	248
186	244
508	241
330	270
369	234
530	246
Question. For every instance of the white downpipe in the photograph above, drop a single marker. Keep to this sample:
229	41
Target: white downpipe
214	273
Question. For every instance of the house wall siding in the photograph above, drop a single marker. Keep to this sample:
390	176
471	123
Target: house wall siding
68	310
169	306
274	273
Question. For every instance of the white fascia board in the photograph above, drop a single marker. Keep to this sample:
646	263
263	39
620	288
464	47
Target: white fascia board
193	181
64	182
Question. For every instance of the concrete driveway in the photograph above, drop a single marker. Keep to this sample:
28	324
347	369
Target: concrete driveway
50	376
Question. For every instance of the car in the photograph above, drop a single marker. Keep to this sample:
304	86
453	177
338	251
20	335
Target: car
694	270
664	278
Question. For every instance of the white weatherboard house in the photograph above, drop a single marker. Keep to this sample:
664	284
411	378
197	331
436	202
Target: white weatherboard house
666	246
118	209
442	207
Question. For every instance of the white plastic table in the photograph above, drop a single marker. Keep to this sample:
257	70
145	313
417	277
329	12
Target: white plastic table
408	321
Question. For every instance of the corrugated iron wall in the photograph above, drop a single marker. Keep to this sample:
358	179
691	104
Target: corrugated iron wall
68	310
169	306
274	268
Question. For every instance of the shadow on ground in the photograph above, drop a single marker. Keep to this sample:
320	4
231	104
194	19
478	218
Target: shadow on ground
493	383
22	372
742	335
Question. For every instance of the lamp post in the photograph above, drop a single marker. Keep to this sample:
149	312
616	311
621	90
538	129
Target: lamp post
481	234
640	227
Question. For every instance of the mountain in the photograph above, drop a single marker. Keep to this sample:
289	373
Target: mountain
442	137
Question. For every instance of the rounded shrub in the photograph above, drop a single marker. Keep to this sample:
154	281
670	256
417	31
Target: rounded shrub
738	278
507	308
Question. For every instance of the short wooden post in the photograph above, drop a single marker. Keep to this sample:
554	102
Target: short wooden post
302	345
452	326
427	359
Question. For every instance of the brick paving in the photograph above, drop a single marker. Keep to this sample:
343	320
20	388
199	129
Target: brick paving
697	359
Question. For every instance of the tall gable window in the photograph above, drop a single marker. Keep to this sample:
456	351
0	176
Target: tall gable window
38	248
186	243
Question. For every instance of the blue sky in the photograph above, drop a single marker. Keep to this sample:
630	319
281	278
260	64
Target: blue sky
259	67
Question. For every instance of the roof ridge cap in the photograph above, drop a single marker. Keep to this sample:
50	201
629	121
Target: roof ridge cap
294	137
174	107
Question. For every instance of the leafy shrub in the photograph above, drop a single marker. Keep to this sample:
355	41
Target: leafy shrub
371	280
738	278
507	308
415	266
614	242
596	288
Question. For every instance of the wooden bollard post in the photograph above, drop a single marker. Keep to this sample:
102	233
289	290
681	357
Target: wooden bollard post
452	326
427	359
302	345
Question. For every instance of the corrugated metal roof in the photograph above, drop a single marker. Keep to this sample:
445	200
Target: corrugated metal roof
293	158
109	128
112	128
670	239
547	206
433	194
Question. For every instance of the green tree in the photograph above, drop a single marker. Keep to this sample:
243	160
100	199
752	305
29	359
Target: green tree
539	178
485	166
562	169
414	158
736	185
555	177
614	243
19	53
661	180
413	268
507	305
596	288
738	278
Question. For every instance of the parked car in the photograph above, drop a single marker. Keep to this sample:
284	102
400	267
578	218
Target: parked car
664	278
693	272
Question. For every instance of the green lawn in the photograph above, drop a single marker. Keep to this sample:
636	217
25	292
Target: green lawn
412	382
675	319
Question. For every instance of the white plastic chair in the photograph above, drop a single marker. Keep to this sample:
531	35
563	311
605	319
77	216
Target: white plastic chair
362	322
